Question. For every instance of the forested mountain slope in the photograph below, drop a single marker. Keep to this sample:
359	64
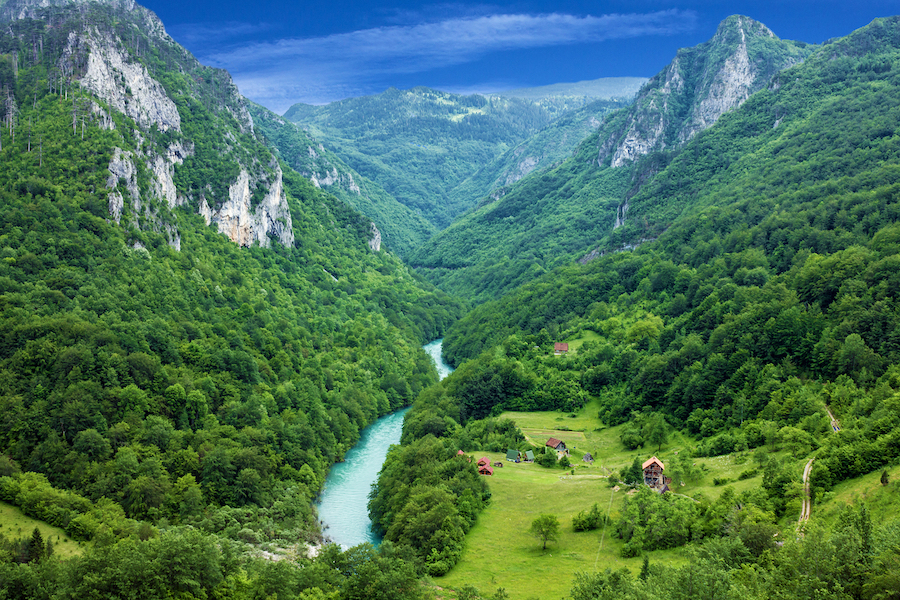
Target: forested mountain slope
774	275
401	228
768	302
421	145
192	333
558	215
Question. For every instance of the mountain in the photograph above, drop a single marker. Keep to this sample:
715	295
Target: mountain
605	88
192	332
420	145
399	227
560	214
774	235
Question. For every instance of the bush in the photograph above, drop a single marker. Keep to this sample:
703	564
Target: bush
588	520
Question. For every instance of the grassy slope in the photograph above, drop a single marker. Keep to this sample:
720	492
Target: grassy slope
14	524
501	553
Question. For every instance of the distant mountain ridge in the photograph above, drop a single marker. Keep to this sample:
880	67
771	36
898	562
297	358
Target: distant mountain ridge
422	145
562	214
605	88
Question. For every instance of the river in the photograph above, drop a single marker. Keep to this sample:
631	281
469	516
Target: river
343	505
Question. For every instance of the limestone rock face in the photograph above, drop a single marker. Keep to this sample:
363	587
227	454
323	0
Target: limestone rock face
375	240
242	224
523	168
730	86
710	79
126	86
122	174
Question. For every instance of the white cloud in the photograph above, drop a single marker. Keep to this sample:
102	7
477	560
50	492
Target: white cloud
280	72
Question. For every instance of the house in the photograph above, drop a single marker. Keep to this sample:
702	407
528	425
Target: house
558	445
588	458
484	460
653	472
512	455
486	469
529	456
560	348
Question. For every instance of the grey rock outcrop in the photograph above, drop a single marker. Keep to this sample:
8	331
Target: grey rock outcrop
244	225
126	85
710	80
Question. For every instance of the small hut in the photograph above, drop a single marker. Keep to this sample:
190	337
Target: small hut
486	469
588	458
560	348
512	455
529	456
653	472
484	460
558	445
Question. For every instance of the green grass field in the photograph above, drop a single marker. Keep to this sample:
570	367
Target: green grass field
501	553
880	500
15	524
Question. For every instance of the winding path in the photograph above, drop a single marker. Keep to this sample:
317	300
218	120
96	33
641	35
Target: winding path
807	504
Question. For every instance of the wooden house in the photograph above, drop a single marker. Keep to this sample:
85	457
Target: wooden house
560	348
486	469
512	455
484	460
558	445
653	472
529	456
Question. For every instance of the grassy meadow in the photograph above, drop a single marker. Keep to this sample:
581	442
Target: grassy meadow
14	524
500	552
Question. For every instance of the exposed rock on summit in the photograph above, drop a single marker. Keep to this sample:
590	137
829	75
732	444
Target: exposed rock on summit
699	86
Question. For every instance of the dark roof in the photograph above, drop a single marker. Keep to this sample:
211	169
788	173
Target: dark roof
553	442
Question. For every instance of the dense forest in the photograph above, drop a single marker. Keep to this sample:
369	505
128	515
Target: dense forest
772	287
160	382
173	400
575	210
438	153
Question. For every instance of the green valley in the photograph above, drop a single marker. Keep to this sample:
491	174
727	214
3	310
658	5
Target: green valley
675	323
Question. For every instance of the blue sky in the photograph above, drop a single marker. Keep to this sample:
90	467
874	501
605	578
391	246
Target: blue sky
280	53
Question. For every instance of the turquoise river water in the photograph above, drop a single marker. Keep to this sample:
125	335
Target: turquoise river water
342	506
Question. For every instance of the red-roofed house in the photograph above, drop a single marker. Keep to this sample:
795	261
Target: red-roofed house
484	460
486	470
653	472
560	347
558	445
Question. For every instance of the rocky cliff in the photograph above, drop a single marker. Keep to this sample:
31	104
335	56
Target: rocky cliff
138	78
699	86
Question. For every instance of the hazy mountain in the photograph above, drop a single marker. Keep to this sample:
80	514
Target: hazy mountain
606	88
421	145
557	215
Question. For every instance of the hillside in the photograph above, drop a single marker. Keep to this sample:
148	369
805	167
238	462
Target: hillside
401	228
769	293
561	214
753	339
420	145
192	332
